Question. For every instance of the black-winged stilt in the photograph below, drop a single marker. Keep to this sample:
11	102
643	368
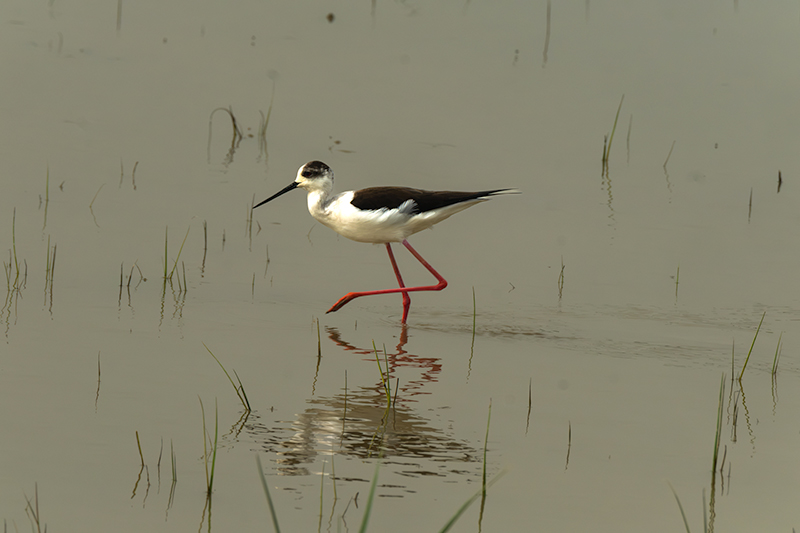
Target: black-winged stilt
381	215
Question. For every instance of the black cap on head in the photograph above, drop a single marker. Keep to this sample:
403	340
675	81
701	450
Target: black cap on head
314	169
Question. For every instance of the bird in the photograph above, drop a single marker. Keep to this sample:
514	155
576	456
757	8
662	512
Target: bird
381	215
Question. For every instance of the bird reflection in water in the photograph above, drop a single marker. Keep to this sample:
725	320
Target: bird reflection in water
358	421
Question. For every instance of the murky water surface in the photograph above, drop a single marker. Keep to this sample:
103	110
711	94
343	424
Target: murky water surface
604	383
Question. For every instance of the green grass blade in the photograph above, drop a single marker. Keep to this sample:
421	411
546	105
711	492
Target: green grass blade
179	254
370	499
166	250
470	501
240	389
685	522
205	447
486	446
269	498
751	346
719	421
607	152
777	355
174	462
383	380
484	484
474	314
214	450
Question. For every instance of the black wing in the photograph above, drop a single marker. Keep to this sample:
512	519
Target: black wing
375	198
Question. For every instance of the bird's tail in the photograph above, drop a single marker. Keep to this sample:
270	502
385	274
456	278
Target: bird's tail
496	192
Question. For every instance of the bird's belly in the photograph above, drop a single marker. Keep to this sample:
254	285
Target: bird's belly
381	225
376	232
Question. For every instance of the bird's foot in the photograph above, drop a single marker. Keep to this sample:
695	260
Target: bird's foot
342	301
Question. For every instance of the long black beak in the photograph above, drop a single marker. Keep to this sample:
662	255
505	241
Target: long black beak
286	189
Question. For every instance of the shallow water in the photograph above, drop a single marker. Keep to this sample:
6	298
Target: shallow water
602	393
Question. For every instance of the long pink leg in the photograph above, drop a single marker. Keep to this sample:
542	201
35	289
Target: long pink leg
404	290
406	297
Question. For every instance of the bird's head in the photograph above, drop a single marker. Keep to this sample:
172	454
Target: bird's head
313	176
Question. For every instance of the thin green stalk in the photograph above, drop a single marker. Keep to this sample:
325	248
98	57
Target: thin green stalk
205	447
486	446
177	275
777	355
158	463
672	147
210	476
269	498
321	492
179	252
46	197
483	480
530	403
240	389
333	477
719	422
569	443
751	346
205	244
14	244
472	345
216	435
174	462
52	269
139	445
628	143
32	509
474	313
685	521
383	381
166	242
470	501
47	268
95	196
371	498
705	516
394	401
262	130
607	151
388	377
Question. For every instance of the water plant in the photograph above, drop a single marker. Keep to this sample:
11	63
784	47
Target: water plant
240	392
777	355
683	514
669	154
212	445
610	138
744	366
263	479
262	126
32	510
530	403
46	196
